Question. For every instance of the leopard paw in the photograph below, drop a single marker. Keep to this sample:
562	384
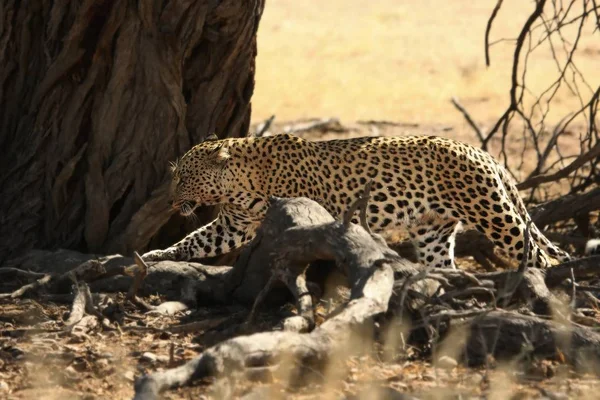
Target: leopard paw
161	255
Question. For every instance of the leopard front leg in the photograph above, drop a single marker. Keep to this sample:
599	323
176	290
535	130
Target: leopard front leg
233	228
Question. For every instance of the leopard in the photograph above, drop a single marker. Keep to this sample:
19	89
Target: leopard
430	186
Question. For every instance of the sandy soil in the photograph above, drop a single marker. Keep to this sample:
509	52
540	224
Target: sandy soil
400	61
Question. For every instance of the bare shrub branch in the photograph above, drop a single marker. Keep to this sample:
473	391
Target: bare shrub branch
559	28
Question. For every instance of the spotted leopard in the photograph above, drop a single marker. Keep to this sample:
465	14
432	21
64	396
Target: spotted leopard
429	185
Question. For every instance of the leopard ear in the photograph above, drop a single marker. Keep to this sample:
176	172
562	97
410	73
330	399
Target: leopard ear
221	154
211	137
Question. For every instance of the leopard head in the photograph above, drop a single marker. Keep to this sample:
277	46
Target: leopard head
199	176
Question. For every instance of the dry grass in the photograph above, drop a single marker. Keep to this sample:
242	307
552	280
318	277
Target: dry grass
396	60
103	365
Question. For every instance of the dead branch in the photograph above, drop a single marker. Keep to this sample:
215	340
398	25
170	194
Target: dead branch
581	268
383	123
465	113
140	273
509	333
549	25
275	276
580	161
197	326
328	124
527	286
514	100
305	320
60	282
295	281
114	274
78	307
263	128
566	207
19	273
488	29
27	288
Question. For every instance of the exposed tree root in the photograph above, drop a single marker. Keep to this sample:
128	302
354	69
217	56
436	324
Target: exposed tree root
313	235
506	335
436	300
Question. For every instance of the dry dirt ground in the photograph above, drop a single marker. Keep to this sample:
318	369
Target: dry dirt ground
401	61
103	365
41	359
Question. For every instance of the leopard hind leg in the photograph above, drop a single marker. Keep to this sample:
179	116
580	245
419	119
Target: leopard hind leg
433	240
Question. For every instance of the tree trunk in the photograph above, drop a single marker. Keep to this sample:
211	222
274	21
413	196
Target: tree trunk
96	97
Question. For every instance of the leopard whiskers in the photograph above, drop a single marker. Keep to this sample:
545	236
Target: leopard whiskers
173	166
186	209
194	218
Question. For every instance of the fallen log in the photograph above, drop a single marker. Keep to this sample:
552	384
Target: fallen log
506	335
113	273
364	257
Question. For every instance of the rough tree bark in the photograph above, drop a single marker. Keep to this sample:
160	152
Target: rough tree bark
96	98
